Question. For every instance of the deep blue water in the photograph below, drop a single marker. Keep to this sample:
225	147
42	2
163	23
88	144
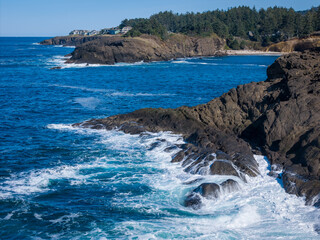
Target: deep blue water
62	183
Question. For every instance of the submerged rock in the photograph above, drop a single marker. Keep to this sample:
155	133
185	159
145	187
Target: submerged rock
230	185
209	191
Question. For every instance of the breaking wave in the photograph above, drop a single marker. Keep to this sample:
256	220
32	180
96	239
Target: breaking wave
144	161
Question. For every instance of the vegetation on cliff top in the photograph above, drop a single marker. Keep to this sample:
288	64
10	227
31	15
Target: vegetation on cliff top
236	24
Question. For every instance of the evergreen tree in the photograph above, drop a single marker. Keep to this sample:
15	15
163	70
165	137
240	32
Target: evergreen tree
265	26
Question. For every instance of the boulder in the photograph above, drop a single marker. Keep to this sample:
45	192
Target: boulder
209	191
223	167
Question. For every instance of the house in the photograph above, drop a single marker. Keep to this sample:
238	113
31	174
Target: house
125	30
112	31
104	31
79	32
93	32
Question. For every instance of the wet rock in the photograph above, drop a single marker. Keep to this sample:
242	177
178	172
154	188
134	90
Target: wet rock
193	181
223	167
154	145
317	228
276	171
178	157
170	149
274	174
222	155
280	117
230	185
194	201
209	191
55	68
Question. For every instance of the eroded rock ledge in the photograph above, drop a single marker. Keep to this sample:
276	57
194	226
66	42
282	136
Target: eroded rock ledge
280	117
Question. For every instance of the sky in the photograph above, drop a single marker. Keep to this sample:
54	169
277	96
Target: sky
59	17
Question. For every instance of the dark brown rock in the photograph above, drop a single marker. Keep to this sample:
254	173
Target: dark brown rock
209	191
111	50
223	167
229	186
53	68
280	116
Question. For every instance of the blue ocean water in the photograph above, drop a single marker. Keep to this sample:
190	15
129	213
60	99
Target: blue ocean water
58	182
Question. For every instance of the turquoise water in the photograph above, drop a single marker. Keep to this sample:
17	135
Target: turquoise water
57	182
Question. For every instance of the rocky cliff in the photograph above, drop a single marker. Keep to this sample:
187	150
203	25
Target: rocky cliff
70	40
280	117
296	44
110	50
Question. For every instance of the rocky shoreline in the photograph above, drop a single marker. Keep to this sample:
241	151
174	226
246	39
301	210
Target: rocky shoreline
109	49
115	49
279	118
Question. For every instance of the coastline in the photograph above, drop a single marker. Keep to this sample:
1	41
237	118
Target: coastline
226	128
253	53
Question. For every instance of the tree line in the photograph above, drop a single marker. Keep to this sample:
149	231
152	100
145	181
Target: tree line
264	26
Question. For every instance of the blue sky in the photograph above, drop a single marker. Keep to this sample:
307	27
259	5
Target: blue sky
59	17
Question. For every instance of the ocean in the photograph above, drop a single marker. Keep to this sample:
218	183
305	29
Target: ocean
60	182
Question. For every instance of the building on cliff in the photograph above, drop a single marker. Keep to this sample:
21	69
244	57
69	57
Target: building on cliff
111	31
84	32
93	32
79	32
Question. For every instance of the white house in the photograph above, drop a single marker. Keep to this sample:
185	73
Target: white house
79	32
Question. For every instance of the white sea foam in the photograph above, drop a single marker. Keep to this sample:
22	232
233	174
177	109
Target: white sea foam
129	64
181	61
216	64
84	88
60	61
126	94
112	92
261	210
65	219
89	102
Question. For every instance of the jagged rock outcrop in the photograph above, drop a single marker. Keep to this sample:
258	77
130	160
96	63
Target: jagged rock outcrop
111	50
280	116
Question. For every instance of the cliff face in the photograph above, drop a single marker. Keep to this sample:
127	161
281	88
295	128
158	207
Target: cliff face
110	50
296	44
280	117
